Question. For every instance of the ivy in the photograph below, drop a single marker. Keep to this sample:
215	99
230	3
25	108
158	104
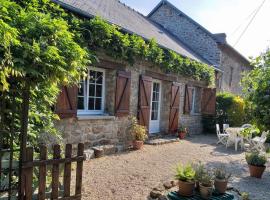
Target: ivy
120	45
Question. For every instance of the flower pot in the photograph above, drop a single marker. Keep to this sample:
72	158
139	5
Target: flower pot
221	185
256	171
206	191
182	135
186	188
137	144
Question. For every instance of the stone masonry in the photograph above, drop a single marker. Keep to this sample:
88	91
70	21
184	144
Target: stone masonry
109	129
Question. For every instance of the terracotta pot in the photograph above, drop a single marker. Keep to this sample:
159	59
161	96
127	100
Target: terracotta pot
137	144
206	191
256	171
182	135
186	188
221	185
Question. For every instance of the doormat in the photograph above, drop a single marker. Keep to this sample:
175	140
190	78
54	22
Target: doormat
176	196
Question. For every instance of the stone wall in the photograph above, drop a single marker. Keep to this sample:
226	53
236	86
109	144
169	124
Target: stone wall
188	32
108	129
233	66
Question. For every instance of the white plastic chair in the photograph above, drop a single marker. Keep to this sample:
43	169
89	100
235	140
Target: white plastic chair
225	126
235	139
246	126
258	142
222	137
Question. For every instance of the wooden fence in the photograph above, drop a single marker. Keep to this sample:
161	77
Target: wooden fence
42	164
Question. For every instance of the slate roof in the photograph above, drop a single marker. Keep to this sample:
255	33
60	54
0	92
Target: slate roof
131	21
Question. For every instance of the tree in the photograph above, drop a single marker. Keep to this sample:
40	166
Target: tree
38	49
256	88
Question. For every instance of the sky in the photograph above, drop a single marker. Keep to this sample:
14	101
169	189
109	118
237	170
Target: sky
224	16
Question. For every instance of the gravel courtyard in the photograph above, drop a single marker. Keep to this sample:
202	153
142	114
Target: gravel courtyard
132	175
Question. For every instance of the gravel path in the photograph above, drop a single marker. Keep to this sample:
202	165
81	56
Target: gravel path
132	175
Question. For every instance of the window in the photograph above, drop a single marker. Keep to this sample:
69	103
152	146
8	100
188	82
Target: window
91	93
196	100
231	76
155	101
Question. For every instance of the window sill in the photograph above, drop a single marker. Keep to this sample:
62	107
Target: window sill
95	117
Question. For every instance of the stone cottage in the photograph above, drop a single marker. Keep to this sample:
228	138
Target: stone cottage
212	47
97	112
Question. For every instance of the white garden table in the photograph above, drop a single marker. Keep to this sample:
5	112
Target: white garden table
235	137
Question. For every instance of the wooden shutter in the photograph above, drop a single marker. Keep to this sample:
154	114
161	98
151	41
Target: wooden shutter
208	105
144	100
174	108
188	100
122	95
66	106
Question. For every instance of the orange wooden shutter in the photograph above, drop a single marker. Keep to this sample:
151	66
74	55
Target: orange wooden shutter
122	95
144	100
174	108
66	105
208	105
188	100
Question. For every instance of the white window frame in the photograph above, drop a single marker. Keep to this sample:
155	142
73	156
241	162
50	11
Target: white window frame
86	95
194	101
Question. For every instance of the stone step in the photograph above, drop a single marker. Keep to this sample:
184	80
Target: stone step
101	150
162	140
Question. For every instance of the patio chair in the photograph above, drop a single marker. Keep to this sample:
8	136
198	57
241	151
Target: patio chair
225	126
222	137
258	142
246	126
235	139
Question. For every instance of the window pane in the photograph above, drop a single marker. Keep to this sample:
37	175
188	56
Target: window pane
98	104
80	104
91	90
98	90
99	77
91	104
197	100
92	77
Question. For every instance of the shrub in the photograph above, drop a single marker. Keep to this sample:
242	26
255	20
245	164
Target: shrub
185	173
230	109
209	123
256	159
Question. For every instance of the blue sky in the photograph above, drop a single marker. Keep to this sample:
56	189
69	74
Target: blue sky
224	16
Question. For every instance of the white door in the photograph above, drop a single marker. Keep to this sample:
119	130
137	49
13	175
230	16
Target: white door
154	125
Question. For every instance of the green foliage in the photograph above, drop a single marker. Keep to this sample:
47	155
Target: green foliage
99	34
253	131
256	159
200	170
138	132
230	109
207	179
221	173
39	50
256	89
185	173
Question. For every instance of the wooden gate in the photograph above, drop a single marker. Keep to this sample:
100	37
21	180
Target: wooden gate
36	171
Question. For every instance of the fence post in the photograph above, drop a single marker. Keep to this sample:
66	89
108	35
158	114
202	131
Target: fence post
55	172
28	172
79	170
42	173
67	171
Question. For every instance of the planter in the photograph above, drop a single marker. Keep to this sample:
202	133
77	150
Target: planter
256	171
182	135
221	185
137	144
186	188
206	191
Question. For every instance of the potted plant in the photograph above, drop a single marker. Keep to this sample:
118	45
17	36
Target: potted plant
185	176
206	185
139	134
256	163
199	172
221	179
182	132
